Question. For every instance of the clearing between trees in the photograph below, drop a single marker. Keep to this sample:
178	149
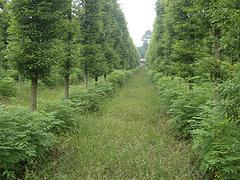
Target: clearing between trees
128	139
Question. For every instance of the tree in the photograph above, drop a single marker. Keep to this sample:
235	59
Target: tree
4	19
33	28
91	29
194	38
66	45
145	39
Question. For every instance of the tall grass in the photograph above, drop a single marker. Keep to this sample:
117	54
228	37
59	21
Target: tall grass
128	139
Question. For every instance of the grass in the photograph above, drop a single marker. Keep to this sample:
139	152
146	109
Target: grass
129	139
44	93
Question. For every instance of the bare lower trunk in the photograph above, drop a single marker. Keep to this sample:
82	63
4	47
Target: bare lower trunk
19	82
96	78
34	87
217	53
86	80
66	86
217	49
105	76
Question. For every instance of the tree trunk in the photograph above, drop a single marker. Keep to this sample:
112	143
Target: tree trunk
19	82
34	88
217	48
96	78
66	86
105	76
86	79
217	54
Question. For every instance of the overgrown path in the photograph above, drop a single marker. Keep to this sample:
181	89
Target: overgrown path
129	139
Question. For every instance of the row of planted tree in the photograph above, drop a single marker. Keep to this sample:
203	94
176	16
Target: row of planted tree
194	59
48	39
28	138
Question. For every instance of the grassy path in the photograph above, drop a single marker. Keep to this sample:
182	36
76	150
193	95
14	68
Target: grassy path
129	139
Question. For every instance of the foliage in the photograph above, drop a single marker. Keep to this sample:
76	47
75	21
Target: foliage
199	42
195	34
229	93
33	36
211	122
7	87
84	101
63	113
88	100
106	43
185	111
24	135
118	78
217	145
4	24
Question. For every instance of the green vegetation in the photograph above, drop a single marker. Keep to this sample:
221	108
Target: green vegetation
45	47
70	56
27	135
194	60
59	42
129	138
145	39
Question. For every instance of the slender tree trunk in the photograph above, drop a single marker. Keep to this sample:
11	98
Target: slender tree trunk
19	82
86	79
105	76
217	54
69	57
217	48
96	78
66	86
34	88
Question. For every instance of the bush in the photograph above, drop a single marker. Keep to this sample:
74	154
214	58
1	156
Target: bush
24	136
63	113
88	100
211	118
186	109
7	87
217	144
76	76
170	89
83	100
217	140
230	98
103	88
118	78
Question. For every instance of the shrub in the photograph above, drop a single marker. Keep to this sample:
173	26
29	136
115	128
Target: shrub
229	93
211	118
83	100
24	136
88	100
7	87
103	88
169	89
76	76
63	113
186	109
118	78
217	144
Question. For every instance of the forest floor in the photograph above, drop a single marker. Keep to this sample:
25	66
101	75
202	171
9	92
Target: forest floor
128	139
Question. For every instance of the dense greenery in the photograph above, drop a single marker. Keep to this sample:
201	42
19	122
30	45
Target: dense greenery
194	59
27	135
127	139
50	45
61	42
